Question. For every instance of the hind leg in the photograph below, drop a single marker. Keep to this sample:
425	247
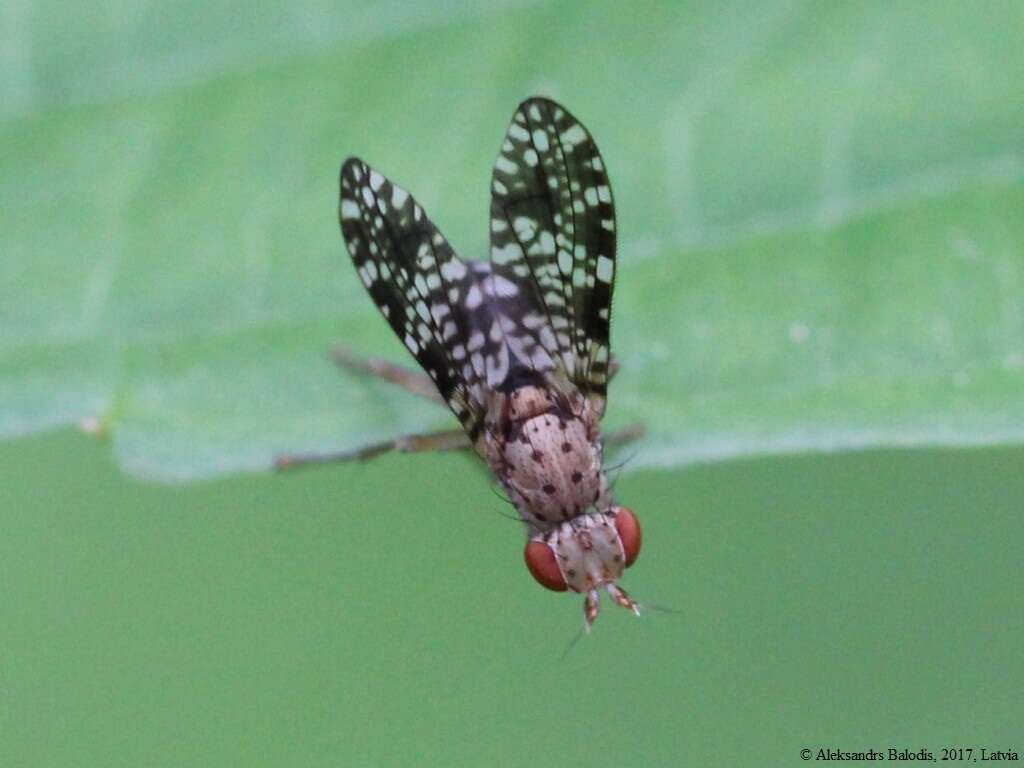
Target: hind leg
447	440
411	381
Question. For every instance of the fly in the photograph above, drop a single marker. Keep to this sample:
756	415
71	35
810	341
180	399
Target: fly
517	346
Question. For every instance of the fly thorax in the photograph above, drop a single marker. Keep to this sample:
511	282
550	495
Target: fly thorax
551	467
529	401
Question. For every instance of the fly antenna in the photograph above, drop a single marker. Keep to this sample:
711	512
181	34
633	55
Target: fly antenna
572	643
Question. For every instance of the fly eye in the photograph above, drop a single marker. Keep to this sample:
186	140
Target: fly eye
540	559
629	533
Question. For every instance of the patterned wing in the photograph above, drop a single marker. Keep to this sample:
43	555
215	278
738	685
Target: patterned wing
417	282
553	226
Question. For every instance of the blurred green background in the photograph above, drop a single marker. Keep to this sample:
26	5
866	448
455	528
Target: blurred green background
818	314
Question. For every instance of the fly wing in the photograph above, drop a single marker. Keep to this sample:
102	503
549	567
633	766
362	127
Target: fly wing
417	282
553	228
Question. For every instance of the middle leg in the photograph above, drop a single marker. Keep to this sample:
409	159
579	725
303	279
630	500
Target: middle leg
410	380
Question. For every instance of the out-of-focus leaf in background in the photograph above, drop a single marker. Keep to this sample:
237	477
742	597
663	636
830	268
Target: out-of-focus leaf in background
820	214
821	246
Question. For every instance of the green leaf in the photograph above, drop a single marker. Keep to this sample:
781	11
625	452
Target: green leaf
821	239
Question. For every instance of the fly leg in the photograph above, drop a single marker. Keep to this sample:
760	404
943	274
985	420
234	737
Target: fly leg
408	379
613	368
448	440
624	436
591	607
621	596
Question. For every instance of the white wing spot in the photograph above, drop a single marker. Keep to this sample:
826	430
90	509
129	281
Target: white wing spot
547	338
574	135
505	165
500	286
540	359
518	133
349	209
506	253
533	321
453	270
525	227
497	367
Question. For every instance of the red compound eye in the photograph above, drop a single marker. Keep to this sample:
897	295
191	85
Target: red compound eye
629	531
540	559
